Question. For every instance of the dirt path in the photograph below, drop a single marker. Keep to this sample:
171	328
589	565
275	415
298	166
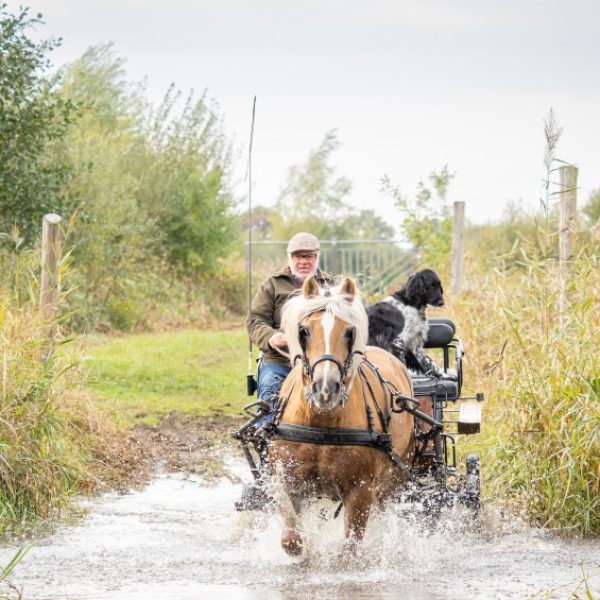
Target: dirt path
180	443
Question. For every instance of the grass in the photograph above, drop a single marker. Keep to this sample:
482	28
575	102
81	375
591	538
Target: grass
139	378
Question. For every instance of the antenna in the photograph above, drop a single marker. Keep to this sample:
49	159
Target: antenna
250	381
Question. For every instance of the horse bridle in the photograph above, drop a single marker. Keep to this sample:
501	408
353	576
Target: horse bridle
343	367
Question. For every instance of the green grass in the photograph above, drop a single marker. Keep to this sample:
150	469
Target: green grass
139	378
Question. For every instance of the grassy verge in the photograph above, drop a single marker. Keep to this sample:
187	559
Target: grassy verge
140	378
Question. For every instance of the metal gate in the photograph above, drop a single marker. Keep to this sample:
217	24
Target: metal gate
374	264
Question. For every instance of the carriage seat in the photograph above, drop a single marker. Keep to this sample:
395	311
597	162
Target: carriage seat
441	333
442	389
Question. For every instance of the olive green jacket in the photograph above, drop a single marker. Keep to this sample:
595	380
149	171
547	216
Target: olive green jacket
264	319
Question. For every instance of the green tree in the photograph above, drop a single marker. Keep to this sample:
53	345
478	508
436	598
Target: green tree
426	217
314	198
149	196
367	225
116	246
33	116
187	182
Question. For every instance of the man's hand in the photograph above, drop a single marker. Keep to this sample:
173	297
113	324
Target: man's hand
278	340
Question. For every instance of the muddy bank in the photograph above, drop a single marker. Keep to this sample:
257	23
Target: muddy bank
180	443
187	444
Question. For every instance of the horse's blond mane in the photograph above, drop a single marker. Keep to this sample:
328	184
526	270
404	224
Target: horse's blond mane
340	305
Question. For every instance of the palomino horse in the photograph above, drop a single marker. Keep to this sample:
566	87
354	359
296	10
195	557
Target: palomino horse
336	433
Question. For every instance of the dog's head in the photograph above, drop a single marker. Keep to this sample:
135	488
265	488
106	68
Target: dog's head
423	288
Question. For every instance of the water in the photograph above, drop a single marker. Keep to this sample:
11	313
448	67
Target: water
180	538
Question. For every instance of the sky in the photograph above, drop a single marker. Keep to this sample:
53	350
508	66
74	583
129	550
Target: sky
409	85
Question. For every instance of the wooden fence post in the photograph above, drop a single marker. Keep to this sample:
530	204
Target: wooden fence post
51	249
458	248
567	230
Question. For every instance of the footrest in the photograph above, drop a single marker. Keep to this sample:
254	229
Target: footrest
253	498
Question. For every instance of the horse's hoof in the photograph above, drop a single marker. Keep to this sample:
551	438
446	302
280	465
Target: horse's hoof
292	543
349	549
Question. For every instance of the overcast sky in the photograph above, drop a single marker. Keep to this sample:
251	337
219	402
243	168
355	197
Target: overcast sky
410	85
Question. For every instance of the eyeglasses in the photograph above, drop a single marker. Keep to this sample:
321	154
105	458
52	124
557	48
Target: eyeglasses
305	256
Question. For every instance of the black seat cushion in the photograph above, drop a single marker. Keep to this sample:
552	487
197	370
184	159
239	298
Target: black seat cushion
442	389
441	333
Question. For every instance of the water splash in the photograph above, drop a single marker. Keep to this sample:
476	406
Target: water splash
181	538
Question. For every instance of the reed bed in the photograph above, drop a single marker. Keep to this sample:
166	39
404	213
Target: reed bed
52	443
541	371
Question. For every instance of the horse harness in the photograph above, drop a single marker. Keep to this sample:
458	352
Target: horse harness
381	440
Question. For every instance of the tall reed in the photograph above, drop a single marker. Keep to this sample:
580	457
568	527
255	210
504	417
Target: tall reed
542	376
52	445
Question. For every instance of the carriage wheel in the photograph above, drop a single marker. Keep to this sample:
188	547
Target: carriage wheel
472	489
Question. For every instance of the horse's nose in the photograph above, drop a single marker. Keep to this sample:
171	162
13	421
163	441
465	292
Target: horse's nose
326	392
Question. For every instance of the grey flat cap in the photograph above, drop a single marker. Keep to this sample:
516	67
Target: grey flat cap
303	241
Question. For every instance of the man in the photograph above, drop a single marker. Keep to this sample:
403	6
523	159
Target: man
264	318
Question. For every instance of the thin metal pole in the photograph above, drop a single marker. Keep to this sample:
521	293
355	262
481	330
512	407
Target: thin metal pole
250	370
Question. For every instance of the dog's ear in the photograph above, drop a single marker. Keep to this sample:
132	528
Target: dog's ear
415	289
310	287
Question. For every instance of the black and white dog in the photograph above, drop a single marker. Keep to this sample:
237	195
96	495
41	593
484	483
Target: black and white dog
399	325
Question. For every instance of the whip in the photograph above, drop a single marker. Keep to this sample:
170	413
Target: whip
250	381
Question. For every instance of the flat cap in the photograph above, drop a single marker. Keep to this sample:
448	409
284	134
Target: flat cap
303	241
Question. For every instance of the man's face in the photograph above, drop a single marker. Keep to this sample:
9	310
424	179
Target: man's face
304	262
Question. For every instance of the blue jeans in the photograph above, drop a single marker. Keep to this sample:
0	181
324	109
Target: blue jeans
270	379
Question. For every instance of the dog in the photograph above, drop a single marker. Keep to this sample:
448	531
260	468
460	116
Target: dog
398	324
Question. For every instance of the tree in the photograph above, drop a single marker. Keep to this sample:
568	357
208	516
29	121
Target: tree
187	183
427	221
315	199
33	116
149	194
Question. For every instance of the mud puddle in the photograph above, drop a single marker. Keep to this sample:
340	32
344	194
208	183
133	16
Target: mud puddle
180	538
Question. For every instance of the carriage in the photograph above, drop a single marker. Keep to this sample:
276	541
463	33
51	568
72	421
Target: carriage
440	416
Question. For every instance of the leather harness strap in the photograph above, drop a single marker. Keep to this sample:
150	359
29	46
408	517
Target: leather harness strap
345	437
333	437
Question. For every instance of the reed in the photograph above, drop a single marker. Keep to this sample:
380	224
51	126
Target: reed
52	445
542	378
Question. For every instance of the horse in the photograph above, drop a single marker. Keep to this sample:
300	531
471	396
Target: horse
338	432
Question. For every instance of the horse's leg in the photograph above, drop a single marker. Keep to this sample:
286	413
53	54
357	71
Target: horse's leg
291	540
358	506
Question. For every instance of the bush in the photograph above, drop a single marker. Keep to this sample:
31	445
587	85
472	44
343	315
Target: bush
149	195
426	219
